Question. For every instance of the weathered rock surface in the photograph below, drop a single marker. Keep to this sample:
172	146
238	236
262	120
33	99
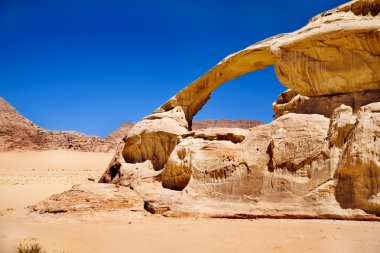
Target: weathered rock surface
358	172
19	133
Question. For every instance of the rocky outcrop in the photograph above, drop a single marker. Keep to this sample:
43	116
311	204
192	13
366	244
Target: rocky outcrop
313	161
290	101
19	133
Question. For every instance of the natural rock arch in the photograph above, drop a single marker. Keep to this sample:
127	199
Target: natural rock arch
336	52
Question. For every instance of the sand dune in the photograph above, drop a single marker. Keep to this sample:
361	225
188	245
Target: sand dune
28	177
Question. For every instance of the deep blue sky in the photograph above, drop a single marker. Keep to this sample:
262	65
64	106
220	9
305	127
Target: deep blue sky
91	65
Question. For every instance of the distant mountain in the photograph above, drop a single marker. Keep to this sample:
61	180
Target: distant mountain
19	133
118	135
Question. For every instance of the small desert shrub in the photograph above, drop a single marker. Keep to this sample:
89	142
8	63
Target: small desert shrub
32	248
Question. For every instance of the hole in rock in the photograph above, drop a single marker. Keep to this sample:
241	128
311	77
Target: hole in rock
247	97
114	170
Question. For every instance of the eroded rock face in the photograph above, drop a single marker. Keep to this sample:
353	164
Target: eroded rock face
358	172
318	159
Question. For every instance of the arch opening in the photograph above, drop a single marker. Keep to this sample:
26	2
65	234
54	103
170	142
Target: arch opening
247	97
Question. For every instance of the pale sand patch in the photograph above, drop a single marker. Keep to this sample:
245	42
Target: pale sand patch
120	231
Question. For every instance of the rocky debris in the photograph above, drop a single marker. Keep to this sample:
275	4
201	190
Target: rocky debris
290	101
90	197
19	133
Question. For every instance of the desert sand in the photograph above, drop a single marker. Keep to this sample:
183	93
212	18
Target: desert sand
28	177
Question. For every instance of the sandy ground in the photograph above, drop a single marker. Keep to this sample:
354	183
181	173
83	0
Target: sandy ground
28	177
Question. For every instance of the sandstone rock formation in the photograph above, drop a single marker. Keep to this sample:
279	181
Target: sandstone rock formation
319	158
19	133
314	161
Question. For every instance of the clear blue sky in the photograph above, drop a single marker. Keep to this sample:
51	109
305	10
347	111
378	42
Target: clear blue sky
91	65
